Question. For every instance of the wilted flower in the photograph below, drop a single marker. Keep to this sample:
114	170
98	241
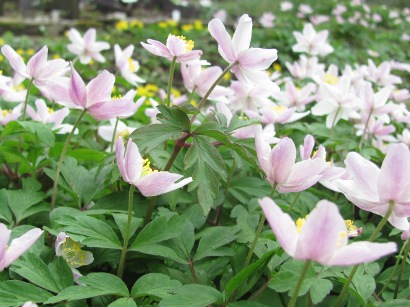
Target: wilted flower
86	48
17	247
322	236
371	188
137	171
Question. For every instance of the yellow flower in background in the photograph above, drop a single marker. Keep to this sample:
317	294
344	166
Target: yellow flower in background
162	24
1	41
136	24
172	23
20	51
121	25
198	24
148	90
1	58
30	52
56	56
187	27
228	76
175	92
277	67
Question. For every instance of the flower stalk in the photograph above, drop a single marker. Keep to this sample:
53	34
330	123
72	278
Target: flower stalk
292	301
170	79
403	265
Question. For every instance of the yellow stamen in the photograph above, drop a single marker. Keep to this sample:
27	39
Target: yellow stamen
278	109
50	110
116	97
73	254
5	112
189	44
299	224
330	79
146	168
132	66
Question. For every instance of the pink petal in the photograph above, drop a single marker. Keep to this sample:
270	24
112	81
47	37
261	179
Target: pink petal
190	56
77	90
257	58
303	170
122	108
218	31
281	224
157	48
307	148
176	46
42	109
37	62
58	116
20	245
156	183
243	34
320	234
89	37
263	151
32	113
394	183
4	240
360	252
133	162
282	161
100	88
16	61
119	154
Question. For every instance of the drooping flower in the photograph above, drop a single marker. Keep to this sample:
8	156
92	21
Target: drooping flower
17	247
95	97
371	188
38	67
137	171
46	115
126	65
280	167
312	42
86	47
176	46
322	236
250	62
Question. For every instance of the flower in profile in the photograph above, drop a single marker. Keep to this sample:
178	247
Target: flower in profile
86	48
280	167
250	63
95	97
137	171
372	189
311	42
126	65
7	116
38	67
46	115
322	236
17	247
176	46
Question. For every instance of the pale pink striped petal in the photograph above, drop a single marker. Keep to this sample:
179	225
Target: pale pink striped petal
133	162
218	31
119	153
257	58
157	183
100	88
37	62
16	61
122	108
77	89
282	161
241	39
21	245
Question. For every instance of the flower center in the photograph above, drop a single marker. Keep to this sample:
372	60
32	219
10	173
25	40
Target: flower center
5	112
278	109
50	110
352	230
132	66
72	253
331	79
123	133
299	223
189	44
146	168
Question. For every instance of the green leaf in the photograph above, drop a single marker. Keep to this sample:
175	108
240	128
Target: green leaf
192	296
213	239
5	213
42	133
158	230
96	284
123	302
319	289
243	277
87	154
121	219
149	137
15	292
154	284
91	231
174	116
62	273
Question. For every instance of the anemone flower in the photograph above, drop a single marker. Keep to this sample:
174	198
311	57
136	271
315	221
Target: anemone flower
311	42
322	236
126	65
137	171
86	47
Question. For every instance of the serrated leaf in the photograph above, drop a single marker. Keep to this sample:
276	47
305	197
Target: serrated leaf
149	137
43	134
319	289
154	284
121	219
173	116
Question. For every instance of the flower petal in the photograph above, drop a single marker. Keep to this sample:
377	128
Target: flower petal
37	62
282	161
114	108
16	61
218	31
133	162
20	245
77	90
241	39
159	183
119	154
257	58
100	88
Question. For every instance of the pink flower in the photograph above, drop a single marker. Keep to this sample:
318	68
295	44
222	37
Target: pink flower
267	20
9	253
37	68
380	75
86	48
176	46
274	114
95	97
322	236
293	96
280	167
311	42
137	171
372	189
126	65
304	68
11	89
7	116
247	96
250	62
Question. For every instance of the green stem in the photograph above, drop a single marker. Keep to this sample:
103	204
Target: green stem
192	269
203	100
364	131
334	121
26	100
113	135
371	239
294	201
394	269
170	79
402	267
257	234
191	95
292	301
120	271
150	210
60	162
